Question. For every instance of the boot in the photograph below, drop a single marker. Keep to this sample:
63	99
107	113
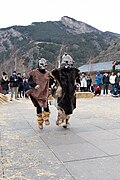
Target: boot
45	116
40	121
66	123
61	117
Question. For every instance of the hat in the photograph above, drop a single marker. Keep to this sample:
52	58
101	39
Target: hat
4	73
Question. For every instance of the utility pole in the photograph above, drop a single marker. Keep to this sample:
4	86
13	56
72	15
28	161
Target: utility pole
15	58
62	51
15	61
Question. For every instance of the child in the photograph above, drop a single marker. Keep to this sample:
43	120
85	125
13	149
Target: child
97	90
26	86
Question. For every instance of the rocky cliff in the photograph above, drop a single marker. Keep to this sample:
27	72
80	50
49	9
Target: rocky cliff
77	27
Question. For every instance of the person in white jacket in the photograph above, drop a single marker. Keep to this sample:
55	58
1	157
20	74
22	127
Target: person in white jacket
112	82
83	86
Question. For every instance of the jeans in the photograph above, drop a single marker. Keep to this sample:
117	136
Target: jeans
112	86
105	88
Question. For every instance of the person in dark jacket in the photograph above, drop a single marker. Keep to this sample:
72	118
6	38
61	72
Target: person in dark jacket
4	83
20	85
67	76
117	82
117	79
26	86
89	83
106	83
14	85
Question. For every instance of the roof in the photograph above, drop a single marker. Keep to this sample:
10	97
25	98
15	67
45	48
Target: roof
103	66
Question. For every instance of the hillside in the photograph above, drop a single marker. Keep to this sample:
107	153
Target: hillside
20	46
112	53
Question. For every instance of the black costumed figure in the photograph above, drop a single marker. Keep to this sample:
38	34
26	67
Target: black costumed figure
67	77
39	79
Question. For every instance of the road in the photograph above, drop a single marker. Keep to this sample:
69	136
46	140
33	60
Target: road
88	150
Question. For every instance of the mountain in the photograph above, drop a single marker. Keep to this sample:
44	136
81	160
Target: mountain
111	53
20	46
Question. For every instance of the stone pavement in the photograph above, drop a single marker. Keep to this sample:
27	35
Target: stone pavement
88	150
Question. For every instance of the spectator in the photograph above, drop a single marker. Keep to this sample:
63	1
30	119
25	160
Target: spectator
24	77
117	82
112	82
89	83
97	91
83	81
105	84
14	85
98	80
4	83
20	85
26	86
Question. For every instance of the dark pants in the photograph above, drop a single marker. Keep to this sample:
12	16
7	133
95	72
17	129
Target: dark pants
83	89
112	86
105	88
38	108
88	88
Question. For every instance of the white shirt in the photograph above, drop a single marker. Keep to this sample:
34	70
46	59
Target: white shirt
112	79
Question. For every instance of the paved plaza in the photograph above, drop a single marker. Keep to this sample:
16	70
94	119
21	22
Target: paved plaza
88	150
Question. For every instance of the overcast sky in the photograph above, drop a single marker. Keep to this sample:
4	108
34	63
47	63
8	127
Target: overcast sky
101	14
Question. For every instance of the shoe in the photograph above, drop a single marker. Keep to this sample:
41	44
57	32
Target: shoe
17	98
47	122
40	126
10	99
66	124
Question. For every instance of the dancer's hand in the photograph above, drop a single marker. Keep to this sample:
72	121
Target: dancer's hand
37	86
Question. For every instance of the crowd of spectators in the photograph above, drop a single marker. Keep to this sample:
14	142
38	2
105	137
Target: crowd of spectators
17	84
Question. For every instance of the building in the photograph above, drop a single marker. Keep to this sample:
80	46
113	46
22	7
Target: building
103	67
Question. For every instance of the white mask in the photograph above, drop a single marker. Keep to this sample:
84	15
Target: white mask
42	63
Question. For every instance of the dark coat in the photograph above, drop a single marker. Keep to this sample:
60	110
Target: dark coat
20	84
106	79
26	86
13	81
89	81
67	77
117	80
4	83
